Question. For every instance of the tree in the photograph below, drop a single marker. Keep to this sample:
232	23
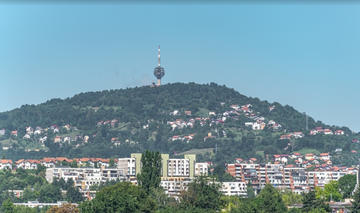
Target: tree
112	163
330	192
150	171
49	193
202	194
122	198
310	202
73	195
73	164
356	203
346	185
270	200
291	198
250	191
7	207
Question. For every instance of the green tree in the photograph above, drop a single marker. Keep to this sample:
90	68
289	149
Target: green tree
355	208
202	194
73	164
149	176
49	193
346	185
310	202
73	195
122	198
330	192
7	207
270	200
291	198
250	191
111	163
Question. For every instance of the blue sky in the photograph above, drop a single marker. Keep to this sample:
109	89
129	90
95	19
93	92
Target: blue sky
304	55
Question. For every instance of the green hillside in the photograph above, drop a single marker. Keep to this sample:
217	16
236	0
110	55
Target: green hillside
173	118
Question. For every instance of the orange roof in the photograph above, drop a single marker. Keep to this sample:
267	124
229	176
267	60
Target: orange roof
48	160
324	154
3	161
19	161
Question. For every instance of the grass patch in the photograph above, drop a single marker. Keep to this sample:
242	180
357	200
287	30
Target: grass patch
261	153
307	150
202	112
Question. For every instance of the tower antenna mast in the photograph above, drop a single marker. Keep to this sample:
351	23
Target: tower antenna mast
159	71
159	56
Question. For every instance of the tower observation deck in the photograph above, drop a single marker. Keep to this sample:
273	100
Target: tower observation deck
159	71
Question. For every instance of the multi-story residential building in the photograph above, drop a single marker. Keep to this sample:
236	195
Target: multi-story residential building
201	169
178	168
234	188
184	167
113	174
128	165
296	179
82	177
174	186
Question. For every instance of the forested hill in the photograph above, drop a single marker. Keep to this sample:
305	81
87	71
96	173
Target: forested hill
171	118
143	103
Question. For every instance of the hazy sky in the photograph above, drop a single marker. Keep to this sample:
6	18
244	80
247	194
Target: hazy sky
306	56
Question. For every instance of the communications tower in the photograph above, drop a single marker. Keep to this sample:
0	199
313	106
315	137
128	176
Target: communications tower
159	71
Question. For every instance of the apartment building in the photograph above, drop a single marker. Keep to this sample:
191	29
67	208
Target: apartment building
128	165
234	189
296	179
201	169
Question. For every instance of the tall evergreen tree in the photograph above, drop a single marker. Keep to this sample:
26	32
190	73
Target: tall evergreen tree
151	170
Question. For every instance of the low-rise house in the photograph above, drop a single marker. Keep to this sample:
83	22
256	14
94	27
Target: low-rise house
48	162
5	164
339	132
57	139
328	132
188	112
324	156
27	136
309	156
14	133
27	164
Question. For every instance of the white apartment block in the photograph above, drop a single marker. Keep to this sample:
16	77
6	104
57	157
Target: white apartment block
234	189
174	186
296	179
201	169
82	177
128	165
178	168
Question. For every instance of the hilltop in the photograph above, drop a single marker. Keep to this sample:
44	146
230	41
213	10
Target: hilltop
173	118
